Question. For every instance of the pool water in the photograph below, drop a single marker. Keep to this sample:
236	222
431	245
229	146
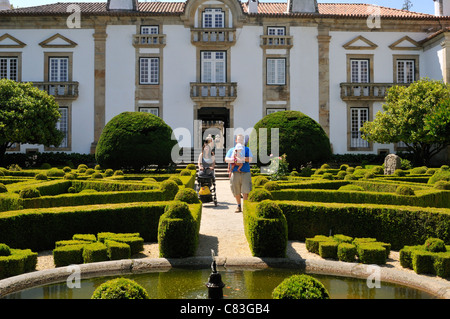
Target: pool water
239	284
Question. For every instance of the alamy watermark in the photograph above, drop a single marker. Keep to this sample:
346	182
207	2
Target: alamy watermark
374	19
374	279
74	279
74	20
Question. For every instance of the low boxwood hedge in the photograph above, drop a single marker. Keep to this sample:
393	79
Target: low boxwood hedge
16	262
39	229
397	225
423	261
266	229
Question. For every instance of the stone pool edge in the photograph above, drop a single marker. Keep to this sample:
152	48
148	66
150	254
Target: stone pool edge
429	284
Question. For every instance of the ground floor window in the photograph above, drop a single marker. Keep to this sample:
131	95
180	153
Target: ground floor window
358	117
63	126
151	110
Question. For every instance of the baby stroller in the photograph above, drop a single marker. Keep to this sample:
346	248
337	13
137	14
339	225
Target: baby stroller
206	186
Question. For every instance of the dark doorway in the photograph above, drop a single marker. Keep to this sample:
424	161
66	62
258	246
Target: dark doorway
214	119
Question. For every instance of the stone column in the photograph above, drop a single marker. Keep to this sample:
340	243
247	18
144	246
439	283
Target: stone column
324	78
100	36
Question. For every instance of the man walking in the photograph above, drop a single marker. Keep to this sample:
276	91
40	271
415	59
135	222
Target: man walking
241	178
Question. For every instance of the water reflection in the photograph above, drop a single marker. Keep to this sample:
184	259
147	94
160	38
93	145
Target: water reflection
240	284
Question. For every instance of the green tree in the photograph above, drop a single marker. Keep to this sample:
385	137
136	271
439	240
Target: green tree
27	116
418	115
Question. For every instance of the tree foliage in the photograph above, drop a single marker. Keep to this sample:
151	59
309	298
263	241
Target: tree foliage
418	115
27	116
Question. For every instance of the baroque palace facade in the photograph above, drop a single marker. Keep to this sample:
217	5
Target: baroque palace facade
221	63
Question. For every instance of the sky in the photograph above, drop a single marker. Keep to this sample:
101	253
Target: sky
424	6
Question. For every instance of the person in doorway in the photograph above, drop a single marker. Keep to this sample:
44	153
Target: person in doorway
206	159
241	179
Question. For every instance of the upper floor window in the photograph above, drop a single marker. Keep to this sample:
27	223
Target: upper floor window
276	31
149	71
154	29
213	67
360	70
58	69
9	68
213	18
405	71
276	71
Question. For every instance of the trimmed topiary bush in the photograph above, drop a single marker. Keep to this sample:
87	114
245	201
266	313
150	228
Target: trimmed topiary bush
95	252
301	138
4	250
176	179
260	181
55	172
442	185
169	188
185	172
133	140
300	287
372	253
404	190
41	177
187	195
352	188
3	188
435	245
120	288
442	174
29	192
117	250
346	252
272	186
259	194
328	249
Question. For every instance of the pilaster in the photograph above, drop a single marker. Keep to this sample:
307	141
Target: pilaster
323	40
100	36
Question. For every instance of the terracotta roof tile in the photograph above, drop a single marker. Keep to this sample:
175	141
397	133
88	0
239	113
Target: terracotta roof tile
265	8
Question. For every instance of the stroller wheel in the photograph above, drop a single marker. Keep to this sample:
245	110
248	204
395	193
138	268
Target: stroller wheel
215	202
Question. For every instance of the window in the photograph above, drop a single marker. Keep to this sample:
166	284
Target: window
150	30
213	18
9	68
358	117
405	71
151	110
360	71
213	67
276	31
58	72
271	111
149	71
276	71
63	126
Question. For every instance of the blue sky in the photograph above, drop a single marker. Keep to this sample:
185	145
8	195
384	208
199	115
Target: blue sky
424	6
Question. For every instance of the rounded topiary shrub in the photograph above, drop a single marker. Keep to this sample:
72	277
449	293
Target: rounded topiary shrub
187	195
260	181
120	288
259	194
404	190
435	245
300	287
176	179
191	167
442	185
55	172
442	174
3	188
185	172
268	209
378	170
41	177
272	186
29	192
4	250
169	188
177	209
135	140
301	138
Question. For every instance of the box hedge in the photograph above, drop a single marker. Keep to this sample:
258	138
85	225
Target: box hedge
396	225
178	231
68	255
346	252
265	229
117	250
423	261
39	229
95	252
18	261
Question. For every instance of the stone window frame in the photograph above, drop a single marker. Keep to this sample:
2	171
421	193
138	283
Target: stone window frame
414	57
351	57
49	55
17	55
360	105
139	70
68	148
286	67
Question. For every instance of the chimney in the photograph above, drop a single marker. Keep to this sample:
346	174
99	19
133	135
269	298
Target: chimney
5	5
441	8
302	6
122	5
253	6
